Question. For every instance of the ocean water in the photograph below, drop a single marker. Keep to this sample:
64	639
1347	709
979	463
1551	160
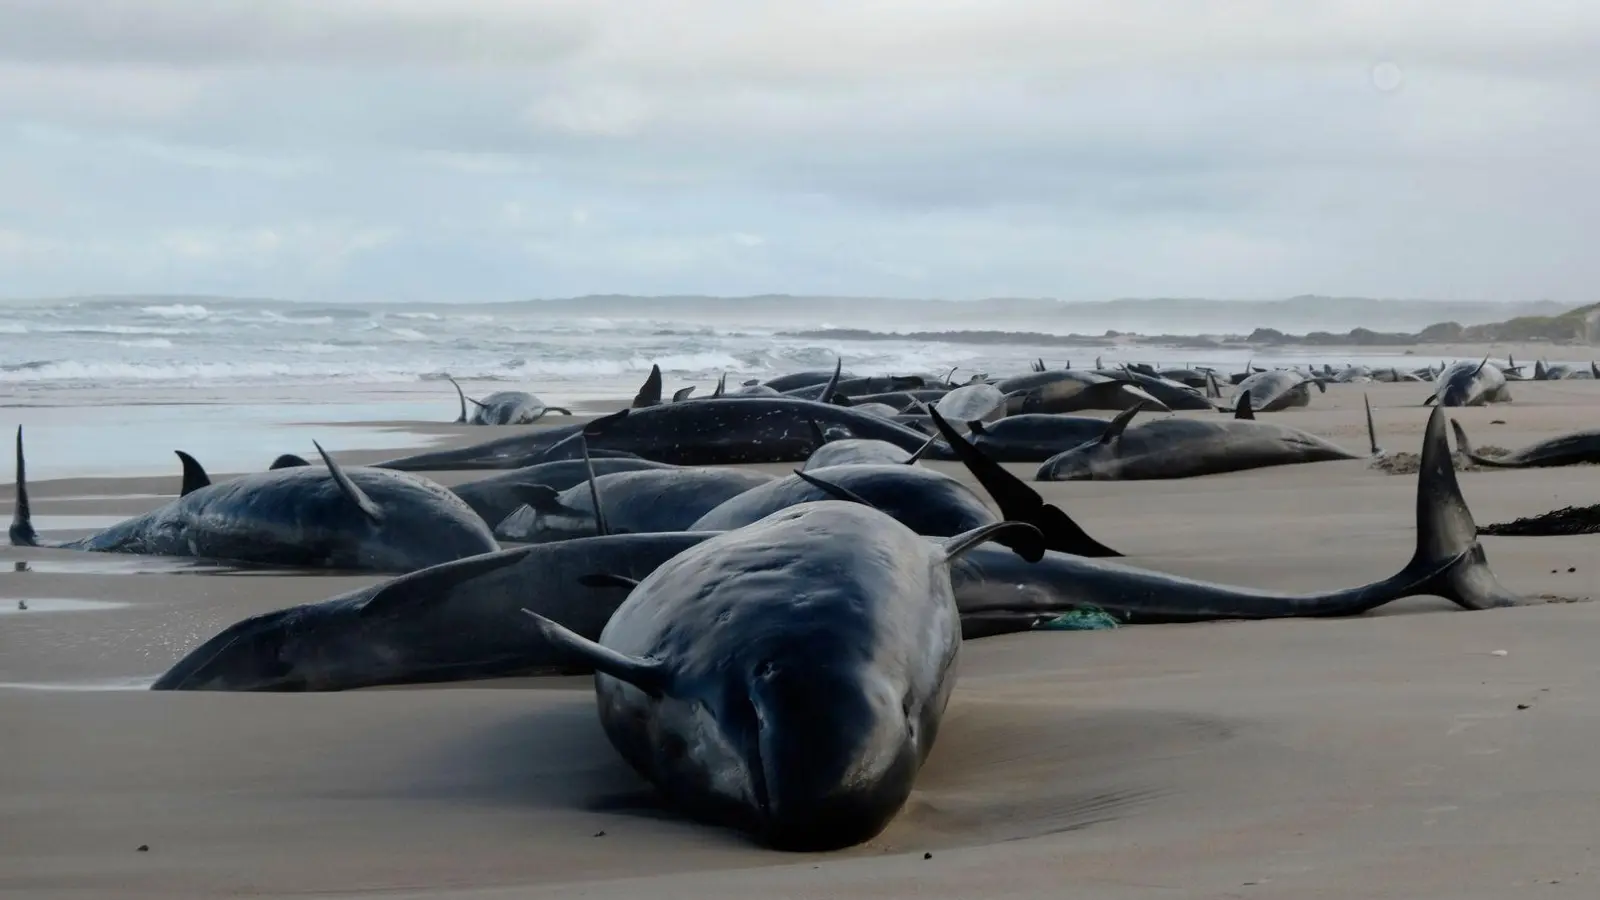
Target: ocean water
112	386
66	352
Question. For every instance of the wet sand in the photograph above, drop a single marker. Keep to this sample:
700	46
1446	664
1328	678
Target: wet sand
1391	755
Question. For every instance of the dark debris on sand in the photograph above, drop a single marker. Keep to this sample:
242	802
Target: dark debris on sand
1566	520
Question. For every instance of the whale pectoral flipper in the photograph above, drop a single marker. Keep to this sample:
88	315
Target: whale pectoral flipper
647	675
350	489
22	533
912	459
1017	501
424	586
608	579
1030	547
594	487
194	474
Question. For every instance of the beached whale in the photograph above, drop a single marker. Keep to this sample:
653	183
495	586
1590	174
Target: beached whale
726	431
304	516
504	408
1470	384
788	678
1568	449
1187	448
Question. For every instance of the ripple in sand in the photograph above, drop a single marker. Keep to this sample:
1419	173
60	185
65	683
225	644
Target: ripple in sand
16	606
125	683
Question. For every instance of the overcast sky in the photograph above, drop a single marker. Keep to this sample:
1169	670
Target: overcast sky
500	149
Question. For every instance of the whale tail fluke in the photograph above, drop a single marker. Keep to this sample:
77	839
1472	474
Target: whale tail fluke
1449	562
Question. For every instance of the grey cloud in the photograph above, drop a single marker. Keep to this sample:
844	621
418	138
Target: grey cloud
1092	148
239	33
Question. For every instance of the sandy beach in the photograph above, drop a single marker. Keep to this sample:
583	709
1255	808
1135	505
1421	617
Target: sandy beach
1390	755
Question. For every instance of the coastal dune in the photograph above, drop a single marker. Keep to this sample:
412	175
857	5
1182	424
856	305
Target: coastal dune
1390	755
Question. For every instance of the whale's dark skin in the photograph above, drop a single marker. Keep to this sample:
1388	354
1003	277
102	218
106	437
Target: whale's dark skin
854	387
796	380
843	451
1278	390
1070	390
787	679
1187	448
855	450
1470	384
997	596
445	623
1034	438
498	496
649	500
513	452
504	408
1171	394
927	501
1570	449
726	432
357	519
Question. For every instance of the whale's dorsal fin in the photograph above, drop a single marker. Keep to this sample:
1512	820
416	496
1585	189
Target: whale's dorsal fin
1242	408
650	392
22	533
648	675
831	489
817	434
832	387
682	394
722	386
460	395
350	489
1118	425
287	461
194	474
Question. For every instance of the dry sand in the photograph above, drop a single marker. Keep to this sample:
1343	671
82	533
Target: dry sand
1392	755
